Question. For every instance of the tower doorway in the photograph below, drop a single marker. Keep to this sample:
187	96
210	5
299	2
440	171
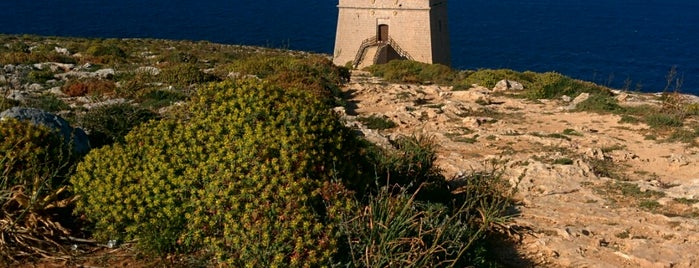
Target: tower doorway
383	33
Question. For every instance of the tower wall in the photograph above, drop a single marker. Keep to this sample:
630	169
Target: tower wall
419	27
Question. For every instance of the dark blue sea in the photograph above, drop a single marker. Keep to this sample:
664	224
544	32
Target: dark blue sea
611	42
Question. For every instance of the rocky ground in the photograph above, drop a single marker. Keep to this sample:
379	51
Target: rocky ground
595	192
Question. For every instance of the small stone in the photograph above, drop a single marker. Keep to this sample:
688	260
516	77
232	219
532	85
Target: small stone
105	73
35	87
62	50
504	85
148	70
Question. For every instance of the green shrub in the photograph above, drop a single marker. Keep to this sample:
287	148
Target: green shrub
110	123
158	98
553	85
244	168
489	77
315	74
406	71
184	75
106	49
47	102
39	76
599	103
661	120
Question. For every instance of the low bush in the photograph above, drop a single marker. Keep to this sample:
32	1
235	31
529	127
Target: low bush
599	103
315	74
47	102
245	176
553	85
91	86
407	71
158	98
40	76
489	77
184	75
110	123
105	52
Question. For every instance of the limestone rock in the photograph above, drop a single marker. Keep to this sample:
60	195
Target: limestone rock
504	85
580	98
61	50
148	70
35	87
105	73
78	138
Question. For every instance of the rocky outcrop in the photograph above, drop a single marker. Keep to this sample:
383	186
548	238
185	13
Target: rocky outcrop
587	176
79	141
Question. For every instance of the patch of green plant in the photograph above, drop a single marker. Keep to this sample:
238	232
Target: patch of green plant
571	132
8	103
315	74
395	227
687	136
686	201
159	98
661	120
184	75
377	122
629	119
650	205
615	147
406	71
489	77
40	76
551	135
604	168
600	103
47	102
563	161
464	139
106	51
110	123
623	235
554	85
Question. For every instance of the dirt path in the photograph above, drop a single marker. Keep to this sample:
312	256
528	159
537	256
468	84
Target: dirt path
597	193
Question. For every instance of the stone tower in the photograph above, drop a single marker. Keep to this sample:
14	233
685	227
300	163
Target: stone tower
377	31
